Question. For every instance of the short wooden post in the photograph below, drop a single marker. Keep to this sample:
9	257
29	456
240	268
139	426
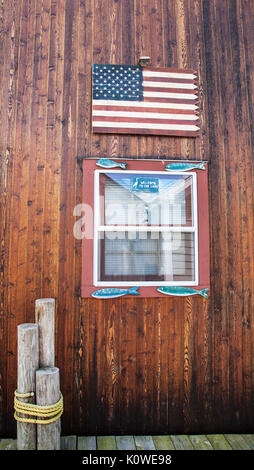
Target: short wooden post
45	317
28	362
48	393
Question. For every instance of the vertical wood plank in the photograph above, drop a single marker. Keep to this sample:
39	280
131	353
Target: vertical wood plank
128	354
51	224
247	15
67	300
20	198
187	363
218	224
9	37
37	154
100	56
246	201
112	316
161	366
175	363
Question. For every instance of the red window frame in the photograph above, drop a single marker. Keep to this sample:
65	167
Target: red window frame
89	167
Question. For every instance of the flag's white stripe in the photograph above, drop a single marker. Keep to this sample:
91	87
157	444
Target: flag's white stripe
143	104
185	86
182	117
150	73
178	96
140	125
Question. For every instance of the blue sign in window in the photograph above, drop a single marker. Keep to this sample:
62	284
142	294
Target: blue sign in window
145	184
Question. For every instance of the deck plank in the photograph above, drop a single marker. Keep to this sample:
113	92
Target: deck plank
86	443
237	442
125	443
68	442
144	443
8	444
219	442
200	442
106	443
182	442
250	439
163	443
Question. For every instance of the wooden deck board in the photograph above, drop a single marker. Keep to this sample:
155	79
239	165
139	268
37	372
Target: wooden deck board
86	443
8	444
125	443
238	442
250	439
182	442
144	443
219	442
201	442
106	443
68	442
161	442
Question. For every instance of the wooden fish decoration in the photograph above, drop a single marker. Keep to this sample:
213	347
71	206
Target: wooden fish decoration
111	293
182	291
106	163
182	166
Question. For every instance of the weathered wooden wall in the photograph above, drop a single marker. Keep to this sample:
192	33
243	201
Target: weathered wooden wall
127	365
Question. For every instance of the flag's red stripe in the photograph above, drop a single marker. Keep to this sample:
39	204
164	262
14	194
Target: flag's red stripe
117	130
144	120
143	110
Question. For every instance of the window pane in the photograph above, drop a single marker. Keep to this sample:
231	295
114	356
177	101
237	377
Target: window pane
146	256
146	199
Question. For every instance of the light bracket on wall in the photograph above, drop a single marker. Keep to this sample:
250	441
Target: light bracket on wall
144	61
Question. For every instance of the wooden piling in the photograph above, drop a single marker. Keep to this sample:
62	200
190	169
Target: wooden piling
48	393
28	362
45	317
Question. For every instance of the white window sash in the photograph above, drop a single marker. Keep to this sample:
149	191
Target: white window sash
139	228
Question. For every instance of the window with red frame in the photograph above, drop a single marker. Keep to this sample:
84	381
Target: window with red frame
144	226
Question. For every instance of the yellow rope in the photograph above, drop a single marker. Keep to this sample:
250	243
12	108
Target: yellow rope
50	413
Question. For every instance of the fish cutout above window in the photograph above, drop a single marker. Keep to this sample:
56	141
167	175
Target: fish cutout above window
184	166
106	163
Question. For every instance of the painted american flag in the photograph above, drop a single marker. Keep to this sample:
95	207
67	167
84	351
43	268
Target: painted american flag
130	99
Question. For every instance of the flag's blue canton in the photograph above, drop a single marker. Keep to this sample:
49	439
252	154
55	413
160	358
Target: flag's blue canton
117	82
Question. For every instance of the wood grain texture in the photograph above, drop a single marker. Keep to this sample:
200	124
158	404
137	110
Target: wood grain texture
48	393
128	366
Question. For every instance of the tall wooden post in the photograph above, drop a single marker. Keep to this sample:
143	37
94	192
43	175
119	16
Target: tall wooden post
48	393
28	363
45	317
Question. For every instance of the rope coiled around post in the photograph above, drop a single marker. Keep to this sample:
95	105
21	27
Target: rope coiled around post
47	413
